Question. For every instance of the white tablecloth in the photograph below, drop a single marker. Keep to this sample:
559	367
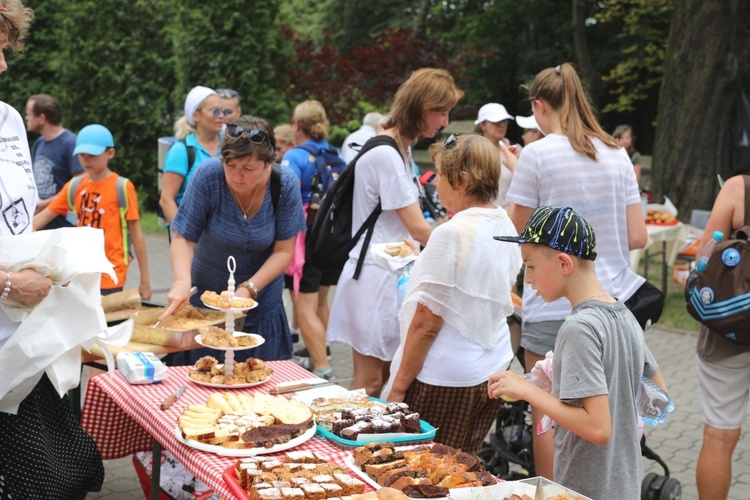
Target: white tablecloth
674	236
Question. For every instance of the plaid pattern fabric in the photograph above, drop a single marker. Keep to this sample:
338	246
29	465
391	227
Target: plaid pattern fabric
462	415
122	418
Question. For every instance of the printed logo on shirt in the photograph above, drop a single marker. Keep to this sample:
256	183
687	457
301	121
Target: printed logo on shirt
16	217
89	213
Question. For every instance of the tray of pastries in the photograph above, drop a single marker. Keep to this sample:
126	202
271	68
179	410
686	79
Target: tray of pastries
353	419
178	330
243	425
660	218
297	475
420	471
249	373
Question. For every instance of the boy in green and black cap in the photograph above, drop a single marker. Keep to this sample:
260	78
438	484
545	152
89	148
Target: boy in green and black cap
599	360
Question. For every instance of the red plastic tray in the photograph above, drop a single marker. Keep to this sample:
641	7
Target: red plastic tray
230	477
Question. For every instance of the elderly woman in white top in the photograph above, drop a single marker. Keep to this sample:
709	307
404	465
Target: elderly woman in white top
454	331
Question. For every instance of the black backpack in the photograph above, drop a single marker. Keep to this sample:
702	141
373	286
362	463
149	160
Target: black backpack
330	240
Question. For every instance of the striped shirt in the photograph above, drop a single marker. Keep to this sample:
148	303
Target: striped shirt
551	173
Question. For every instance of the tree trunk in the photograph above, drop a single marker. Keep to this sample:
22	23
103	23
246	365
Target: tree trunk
591	78
420	25
709	44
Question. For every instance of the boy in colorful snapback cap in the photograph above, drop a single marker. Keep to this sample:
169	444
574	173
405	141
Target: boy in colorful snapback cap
599	360
102	199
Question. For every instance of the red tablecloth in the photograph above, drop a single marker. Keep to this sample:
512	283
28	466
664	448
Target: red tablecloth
123	419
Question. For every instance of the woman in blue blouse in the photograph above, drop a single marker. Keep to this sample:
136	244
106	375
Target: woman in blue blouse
228	210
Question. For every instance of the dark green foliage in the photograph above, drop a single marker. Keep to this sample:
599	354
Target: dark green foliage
115	70
234	44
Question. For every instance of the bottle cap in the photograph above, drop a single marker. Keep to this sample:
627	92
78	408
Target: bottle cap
718	235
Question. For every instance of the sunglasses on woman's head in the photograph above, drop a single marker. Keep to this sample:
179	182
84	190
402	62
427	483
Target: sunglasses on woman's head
450	142
227	93
217	112
256	136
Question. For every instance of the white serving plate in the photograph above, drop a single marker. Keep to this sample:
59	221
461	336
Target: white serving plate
260	340
247	452
233	309
224	386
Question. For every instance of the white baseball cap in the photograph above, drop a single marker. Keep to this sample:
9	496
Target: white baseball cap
492	112
528	122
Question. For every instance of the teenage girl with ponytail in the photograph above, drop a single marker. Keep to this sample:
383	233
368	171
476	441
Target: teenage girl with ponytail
577	164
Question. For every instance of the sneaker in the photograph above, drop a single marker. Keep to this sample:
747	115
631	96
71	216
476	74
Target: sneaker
305	354
326	374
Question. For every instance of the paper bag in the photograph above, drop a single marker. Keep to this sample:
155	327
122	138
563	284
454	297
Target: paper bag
49	335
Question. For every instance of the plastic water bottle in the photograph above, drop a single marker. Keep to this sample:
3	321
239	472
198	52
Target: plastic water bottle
702	262
652	402
402	284
707	250
541	382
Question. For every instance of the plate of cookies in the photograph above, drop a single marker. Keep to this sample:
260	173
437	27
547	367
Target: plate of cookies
210	373
227	301
218	338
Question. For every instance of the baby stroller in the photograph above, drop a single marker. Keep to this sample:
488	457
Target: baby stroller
511	442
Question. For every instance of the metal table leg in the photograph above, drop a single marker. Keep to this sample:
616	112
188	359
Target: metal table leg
155	470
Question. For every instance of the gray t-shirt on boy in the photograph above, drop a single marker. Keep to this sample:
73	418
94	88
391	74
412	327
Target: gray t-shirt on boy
600	350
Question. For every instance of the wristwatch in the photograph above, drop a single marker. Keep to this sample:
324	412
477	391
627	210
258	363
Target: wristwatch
250	288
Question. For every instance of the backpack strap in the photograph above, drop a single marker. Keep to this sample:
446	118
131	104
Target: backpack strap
190	155
275	185
369	224
122	203
315	152
746	222
71	194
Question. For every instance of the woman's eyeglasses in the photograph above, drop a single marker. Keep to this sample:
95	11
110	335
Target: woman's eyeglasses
450	142
256	136
217	112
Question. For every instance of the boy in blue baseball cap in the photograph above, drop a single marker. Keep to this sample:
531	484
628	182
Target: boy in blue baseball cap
102	199
599	360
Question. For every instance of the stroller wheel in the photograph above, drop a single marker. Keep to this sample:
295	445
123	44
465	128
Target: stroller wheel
647	493
671	490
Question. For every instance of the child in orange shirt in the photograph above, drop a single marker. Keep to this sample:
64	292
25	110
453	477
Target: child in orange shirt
95	203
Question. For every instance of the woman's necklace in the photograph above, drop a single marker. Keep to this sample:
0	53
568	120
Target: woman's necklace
237	199
406	154
594	296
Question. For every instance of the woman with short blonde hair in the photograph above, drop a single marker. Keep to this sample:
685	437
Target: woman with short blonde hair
453	327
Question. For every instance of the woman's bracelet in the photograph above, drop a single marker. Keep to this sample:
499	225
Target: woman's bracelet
6	290
250	286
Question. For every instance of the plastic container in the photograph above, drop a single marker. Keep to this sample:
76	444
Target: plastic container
653	403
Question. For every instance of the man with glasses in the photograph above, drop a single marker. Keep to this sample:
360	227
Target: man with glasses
230	101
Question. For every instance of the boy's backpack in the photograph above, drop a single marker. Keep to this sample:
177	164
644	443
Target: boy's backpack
190	160
328	167
330	240
719	297
122	203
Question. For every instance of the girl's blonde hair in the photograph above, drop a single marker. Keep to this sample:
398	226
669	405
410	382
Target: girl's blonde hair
15	20
284	133
561	89
473	162
427	89
311	116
